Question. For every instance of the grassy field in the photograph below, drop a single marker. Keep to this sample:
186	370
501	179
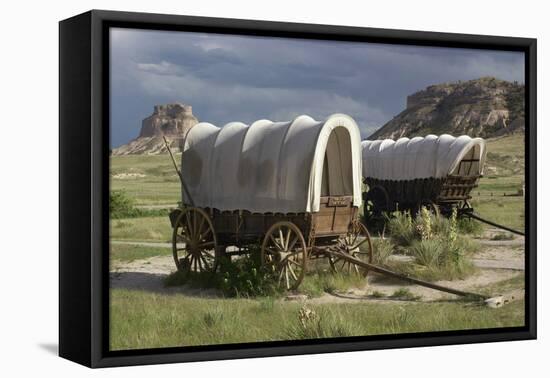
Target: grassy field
148	320
142	229
148	179
129	253
504	177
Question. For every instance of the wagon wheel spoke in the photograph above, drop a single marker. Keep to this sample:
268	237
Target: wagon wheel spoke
287	240
199	259
199	228
206	253
292	270
208	232
271	250
351	245
286	277
276	242
282	239
283	249
293	243
195	229
359	245
183	237
280	276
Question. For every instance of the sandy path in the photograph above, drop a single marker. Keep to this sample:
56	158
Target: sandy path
495	262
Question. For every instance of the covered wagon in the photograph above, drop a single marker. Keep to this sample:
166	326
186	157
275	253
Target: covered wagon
291	188
438	172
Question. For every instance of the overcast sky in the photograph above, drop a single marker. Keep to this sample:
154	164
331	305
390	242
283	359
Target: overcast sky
239	78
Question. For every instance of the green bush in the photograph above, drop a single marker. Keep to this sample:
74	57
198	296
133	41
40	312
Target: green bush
427	252
122	206
243	277
401	229
382	250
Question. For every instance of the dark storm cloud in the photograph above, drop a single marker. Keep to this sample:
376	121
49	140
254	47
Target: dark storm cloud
229	78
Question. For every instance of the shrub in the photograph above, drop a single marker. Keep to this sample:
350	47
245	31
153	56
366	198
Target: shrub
382	250
439	251
400	226
122	206
243	277
427	252
469	226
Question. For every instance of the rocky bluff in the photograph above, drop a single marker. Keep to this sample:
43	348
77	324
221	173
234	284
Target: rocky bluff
170	120
484	107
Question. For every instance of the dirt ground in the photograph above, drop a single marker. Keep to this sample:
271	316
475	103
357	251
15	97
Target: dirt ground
497	261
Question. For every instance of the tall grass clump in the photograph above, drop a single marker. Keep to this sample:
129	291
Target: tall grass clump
469	226
382	250
401	228
437	248
312	324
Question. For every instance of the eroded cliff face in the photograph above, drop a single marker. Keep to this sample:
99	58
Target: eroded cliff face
485	107
171	121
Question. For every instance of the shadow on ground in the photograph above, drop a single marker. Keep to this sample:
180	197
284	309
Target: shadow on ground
154	283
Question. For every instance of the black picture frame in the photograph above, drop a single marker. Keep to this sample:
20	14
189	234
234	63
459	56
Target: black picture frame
83	181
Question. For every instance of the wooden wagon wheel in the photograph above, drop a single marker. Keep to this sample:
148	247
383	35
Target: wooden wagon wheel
284	253
356	243
194	242
376	202
433	208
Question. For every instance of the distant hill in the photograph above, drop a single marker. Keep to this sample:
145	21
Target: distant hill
485	107
170	120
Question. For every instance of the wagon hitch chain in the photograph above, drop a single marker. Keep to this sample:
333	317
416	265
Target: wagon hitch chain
477	217
387	272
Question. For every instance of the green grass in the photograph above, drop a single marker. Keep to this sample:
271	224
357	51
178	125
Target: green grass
129	253
143	229
320	282
404	294
159	184
501	287
504	174
149	320
507	211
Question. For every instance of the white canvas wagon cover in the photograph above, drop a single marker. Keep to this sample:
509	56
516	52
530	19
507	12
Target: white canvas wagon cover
418	158
272	166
